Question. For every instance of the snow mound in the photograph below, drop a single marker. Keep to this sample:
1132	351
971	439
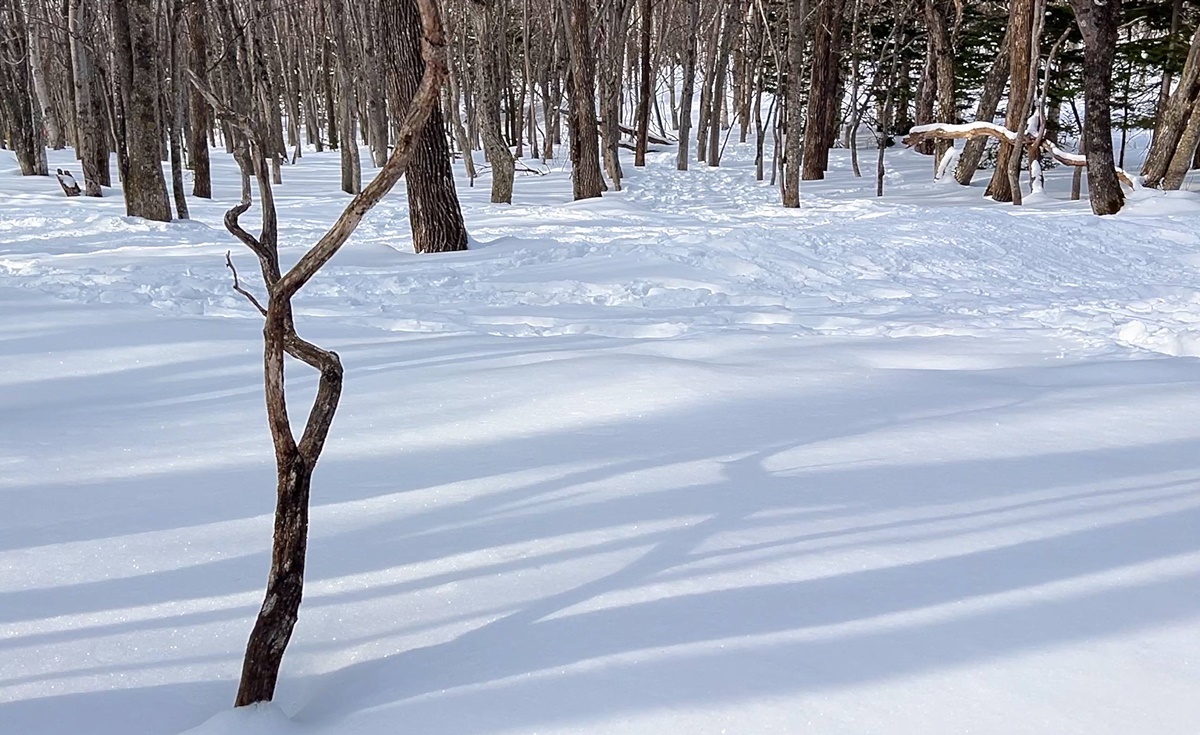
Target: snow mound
257	719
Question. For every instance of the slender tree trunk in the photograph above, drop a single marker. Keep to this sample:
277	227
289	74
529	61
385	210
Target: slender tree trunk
796	10
43	98
1184	150
173	106
689	85
487	72
644	89
730	29
17	97
1020	33
200	117
89	110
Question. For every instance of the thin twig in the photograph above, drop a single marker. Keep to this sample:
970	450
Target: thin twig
238	287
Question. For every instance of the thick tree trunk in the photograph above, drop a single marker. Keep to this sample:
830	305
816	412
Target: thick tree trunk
1174	118
586	179
145	187
822	89
433	207
1098	23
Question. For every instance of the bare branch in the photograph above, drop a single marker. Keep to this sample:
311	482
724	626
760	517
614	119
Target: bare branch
237	286
433	51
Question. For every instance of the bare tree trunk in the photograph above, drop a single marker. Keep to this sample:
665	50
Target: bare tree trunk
989	100
433	209
296	460
644	89
145	187
730	29
173	105
943	55
89	110
689	85
1181	161
487	71
1020	36
347	110
43	99
796	10
1098	24
201	120
586	179
822	88
17	98
1174	118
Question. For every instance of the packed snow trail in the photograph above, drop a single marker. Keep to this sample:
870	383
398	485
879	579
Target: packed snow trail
676	461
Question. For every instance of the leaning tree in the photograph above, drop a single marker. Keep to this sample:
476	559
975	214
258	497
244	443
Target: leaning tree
296	458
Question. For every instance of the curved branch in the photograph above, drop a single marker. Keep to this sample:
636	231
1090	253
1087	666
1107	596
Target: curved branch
427	96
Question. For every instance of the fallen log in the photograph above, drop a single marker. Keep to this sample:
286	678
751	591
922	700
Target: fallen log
919	133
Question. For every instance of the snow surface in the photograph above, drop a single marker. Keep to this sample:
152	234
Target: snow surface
672	461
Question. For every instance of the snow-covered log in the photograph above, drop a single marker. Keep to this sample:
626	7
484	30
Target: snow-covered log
919	133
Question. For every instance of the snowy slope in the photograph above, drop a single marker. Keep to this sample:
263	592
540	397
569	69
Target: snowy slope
673	461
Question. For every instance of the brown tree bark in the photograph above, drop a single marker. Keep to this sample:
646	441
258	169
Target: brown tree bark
1174	118
1020	36
200	119
730	28
295	459
90	143
487	72
586	180
689	85
822	88
1098	23
645	11
796	10
433	207
17	97
136	35
1181	161
989	100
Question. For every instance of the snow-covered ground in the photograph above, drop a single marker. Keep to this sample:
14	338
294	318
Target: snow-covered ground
674	461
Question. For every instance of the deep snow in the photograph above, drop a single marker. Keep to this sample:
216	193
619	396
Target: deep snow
673	461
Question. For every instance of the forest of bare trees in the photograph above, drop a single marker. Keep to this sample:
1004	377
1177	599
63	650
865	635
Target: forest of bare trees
530	77
158	88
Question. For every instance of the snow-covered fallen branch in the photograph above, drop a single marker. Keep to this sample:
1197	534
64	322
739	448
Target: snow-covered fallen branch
919	133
